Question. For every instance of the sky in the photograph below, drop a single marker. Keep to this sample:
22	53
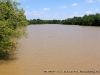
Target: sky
58	9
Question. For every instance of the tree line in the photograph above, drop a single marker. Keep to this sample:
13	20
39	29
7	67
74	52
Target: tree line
40	21
12	23
86	20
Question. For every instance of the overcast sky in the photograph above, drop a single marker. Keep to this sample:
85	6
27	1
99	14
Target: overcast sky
59	9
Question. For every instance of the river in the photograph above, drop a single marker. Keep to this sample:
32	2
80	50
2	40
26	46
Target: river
56	50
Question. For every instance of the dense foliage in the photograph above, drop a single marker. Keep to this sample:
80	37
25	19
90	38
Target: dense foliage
12	21
39	21
89	20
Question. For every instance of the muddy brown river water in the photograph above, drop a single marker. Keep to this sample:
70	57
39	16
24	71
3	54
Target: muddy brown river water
56	50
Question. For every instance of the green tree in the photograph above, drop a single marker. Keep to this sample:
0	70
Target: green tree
12	25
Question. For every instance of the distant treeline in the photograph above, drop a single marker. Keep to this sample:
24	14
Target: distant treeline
89	20
40	21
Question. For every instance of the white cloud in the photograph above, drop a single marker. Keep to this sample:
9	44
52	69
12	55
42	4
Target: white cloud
98	0
21	0
24	0
63	14
88	12
63	6
89	1
46	8
34	14
42	15
96	9
75	4
75	13
55	14
27	13
27	6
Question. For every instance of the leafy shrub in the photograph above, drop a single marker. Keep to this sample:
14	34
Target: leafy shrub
12	26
